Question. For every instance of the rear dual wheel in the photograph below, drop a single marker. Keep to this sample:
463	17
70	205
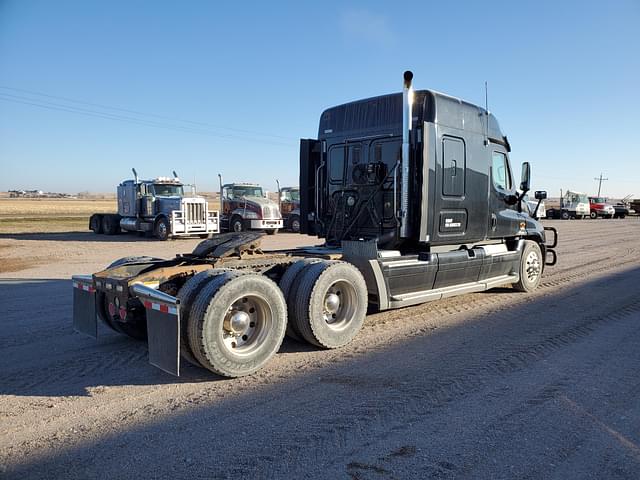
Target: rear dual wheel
237	323
287	282
110	225
187	295
136	324
95	224
329	303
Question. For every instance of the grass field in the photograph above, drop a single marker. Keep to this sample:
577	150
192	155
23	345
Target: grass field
31	215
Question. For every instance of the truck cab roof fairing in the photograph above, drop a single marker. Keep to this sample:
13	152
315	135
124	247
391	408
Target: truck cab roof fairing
383	114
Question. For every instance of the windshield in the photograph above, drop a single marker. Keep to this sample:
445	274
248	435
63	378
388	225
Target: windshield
577	198
291	195
598	200
168	190
245	191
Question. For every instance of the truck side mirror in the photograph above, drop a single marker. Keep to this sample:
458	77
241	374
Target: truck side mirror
525	181
541	195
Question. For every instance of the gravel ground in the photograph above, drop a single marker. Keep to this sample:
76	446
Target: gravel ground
489	385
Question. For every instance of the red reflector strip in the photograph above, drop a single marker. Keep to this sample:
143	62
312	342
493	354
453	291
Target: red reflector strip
161	307
84	286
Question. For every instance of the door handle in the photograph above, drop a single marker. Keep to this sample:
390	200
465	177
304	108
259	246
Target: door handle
494	221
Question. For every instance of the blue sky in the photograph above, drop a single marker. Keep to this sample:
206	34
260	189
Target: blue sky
207	87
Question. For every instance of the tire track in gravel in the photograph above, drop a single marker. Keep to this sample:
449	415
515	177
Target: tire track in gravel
449	385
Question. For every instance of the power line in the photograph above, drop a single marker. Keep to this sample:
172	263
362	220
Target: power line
140	113
123	118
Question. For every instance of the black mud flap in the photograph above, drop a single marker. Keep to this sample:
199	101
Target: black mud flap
163	328
84	305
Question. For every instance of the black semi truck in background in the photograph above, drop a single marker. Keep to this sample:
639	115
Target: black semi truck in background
415	197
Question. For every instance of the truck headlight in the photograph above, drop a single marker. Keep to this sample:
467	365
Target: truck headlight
252	215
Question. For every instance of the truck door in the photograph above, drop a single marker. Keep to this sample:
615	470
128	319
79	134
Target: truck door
503	218
310	161
226	200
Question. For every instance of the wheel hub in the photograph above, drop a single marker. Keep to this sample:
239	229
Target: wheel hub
238	322
532	266
332	303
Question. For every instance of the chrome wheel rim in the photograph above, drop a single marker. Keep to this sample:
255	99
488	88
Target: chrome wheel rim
246	324
339	305
532	266
295	225
162	229
237	226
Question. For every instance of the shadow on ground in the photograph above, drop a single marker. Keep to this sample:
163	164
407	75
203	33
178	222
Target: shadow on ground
86	237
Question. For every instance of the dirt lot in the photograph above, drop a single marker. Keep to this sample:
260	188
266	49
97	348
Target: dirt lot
488	385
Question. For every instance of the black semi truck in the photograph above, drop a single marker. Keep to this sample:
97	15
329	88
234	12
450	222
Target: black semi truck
415	197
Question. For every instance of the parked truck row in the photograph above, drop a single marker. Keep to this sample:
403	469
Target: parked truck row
415	196
160	208
577	205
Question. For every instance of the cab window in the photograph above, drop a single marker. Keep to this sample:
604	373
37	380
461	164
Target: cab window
500	171
336	164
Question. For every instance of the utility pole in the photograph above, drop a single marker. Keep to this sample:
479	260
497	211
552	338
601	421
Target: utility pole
600	180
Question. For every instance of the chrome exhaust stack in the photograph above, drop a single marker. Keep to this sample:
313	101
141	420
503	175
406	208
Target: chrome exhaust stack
135	175
221	202
407	114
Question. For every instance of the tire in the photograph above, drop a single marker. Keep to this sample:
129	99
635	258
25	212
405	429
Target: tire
125	260
593	215
110	225
331	304
187	295
286	283
272	231
531	267
103	313
95	224
162	229
294	224
236	224
261	331
136	330
565	215
621	216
